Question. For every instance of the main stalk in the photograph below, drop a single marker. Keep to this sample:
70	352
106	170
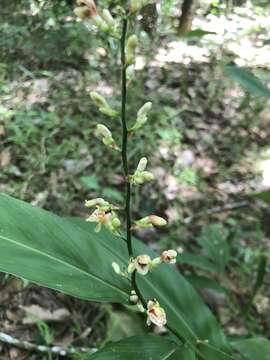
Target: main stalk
125	136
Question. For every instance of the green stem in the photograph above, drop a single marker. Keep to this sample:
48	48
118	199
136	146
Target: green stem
125	135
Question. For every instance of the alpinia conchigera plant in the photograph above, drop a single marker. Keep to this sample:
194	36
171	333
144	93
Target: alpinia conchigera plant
99	259
104	213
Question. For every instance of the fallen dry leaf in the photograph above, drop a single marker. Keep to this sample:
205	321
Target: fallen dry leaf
2	130
5	158
37	311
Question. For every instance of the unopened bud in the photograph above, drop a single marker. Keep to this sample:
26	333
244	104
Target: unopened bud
95	202
108	17
132	43
157	220
151	220
142	116
147	176
134	297
142	164
102	131
116	223
116	268
144	110
98	99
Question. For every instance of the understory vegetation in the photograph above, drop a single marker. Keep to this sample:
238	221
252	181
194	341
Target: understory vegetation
206	140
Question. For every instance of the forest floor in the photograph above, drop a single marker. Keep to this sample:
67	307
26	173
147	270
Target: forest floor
206	141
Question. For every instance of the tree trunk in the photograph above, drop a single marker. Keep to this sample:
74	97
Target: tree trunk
186	18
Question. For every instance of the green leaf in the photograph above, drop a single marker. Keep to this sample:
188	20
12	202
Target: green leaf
246	79
123	324
55	252
253	349
213	240
181	302
263	195
183	353
202	282
136	348
68	256
198	33
198	261
89	182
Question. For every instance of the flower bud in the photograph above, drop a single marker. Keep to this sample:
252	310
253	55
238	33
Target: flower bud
134	297
147	176
100	24
98	99
102	132
142	164
169	256
106	15
144	110
116	268
131	46
142	116
155	314
155	262
151	220
95	202
157	220
106	110
102	104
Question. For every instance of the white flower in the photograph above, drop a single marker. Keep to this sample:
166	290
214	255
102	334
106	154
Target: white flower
155	314
169	256
103	215
141	263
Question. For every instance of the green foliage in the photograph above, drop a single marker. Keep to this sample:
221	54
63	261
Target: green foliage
263	195
134	348
60	253
246	79
68	256
215	250
251	349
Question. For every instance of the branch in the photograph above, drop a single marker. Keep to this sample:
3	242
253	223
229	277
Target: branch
57	350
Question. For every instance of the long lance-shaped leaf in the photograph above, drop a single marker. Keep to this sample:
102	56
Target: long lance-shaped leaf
137	348
67	255
55	252
246	79
187	315
253	349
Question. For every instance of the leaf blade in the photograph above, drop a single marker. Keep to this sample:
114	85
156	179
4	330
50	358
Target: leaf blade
247	80
137	347
59	251
251	349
